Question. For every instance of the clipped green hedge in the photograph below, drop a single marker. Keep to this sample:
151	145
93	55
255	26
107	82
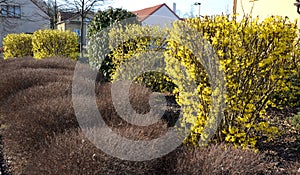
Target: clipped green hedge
48	43
104	19
17	45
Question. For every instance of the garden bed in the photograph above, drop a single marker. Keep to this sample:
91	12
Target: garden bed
40	133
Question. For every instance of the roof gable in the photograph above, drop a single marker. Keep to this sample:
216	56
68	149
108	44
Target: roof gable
66	15
146	12
36	3
70	16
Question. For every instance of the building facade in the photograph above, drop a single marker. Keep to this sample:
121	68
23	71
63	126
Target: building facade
266	8
72	21
24	16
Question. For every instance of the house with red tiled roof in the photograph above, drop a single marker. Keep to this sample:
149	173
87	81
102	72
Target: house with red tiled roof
160	15
21	16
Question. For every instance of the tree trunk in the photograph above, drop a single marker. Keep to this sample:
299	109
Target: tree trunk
82	14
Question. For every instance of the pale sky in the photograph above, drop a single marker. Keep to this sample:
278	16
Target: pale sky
184	7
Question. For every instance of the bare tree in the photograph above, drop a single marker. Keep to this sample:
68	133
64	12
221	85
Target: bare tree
83	7
52	7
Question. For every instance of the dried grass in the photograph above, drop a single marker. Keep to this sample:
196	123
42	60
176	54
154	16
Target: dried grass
41	135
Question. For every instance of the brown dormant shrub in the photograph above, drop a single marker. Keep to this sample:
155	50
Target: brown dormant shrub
20	74
221	159
41	135
38	124
72	153
34	104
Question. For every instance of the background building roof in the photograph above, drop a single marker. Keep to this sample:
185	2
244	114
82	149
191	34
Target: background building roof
146	12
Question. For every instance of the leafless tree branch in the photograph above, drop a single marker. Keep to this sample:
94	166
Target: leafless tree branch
83	7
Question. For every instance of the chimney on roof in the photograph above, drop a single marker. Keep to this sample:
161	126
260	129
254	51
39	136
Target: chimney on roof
174	7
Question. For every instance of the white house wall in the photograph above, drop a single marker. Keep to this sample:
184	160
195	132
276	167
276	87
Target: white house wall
32	19
267	8
161	17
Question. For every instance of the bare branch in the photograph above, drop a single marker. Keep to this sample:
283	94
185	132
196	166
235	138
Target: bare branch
83	7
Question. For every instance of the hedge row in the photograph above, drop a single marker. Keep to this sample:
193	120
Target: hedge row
17	45
42	44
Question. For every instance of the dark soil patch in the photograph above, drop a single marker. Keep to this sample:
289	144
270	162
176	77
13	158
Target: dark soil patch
284	150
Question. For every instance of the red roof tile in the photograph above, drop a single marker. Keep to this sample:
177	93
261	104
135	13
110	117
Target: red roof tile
144	13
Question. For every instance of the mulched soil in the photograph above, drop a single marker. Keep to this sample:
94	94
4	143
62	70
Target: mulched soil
284	150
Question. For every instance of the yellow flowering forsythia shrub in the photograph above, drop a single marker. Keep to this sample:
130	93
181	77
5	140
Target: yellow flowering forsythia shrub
134	46
256	57
48	43
290	96
17	45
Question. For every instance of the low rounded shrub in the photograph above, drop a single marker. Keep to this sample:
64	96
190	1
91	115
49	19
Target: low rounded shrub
49	43
17	45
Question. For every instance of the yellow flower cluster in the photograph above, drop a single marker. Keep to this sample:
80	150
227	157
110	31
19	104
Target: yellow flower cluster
134	46
41	44
17	45
48	43
257	59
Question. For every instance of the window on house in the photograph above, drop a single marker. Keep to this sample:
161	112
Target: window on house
87	20
17	11
77	31
3	9
12	11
